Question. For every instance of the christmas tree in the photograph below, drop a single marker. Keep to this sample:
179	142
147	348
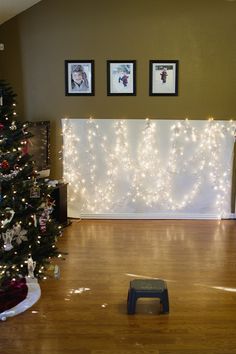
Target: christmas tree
28	234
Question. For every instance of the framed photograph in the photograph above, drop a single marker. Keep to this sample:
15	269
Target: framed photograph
163	78
35	191
79	77
121	77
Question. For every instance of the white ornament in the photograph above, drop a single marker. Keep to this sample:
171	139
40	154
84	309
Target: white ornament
57	272
31	267
13	126
7	238
7	220
19	233
35	221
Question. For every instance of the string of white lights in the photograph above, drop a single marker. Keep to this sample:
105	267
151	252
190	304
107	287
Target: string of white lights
71	162
103	193
149	179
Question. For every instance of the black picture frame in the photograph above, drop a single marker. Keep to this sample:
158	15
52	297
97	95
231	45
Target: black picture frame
121	77
163	77
79	78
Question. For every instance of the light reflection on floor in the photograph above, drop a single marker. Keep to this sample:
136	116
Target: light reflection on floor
196	284
217	287
147	277
78	291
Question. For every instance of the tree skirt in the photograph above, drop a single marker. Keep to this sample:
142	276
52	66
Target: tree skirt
18	297
15	291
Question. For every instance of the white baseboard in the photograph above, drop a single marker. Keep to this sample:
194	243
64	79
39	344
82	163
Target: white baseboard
156	216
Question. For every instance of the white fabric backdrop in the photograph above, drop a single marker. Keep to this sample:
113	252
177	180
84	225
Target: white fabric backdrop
148	168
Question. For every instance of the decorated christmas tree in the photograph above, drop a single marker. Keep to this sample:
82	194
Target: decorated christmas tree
28	233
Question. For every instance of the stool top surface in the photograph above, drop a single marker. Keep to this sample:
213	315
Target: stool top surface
148	284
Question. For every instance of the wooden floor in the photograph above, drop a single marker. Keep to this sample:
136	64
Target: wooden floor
85	311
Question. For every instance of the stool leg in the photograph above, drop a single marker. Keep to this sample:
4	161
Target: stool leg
131	302
165	301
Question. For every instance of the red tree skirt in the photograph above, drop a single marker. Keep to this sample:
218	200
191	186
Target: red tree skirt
13	293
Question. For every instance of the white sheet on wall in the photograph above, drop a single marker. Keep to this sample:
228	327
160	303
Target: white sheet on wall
148	168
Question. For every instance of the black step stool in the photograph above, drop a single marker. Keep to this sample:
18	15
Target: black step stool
147	288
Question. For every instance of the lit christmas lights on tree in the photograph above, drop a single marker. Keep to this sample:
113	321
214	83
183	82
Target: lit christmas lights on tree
22	236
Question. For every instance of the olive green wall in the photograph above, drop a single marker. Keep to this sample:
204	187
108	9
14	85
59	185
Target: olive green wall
198	33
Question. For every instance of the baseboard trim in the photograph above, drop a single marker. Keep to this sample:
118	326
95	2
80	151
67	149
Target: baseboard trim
155	216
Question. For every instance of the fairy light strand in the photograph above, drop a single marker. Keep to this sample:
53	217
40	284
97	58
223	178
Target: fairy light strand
149	179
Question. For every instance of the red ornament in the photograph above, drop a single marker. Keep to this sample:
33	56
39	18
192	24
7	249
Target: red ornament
1	126
5	164
25	148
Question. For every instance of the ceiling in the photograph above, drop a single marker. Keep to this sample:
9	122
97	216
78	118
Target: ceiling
11	8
